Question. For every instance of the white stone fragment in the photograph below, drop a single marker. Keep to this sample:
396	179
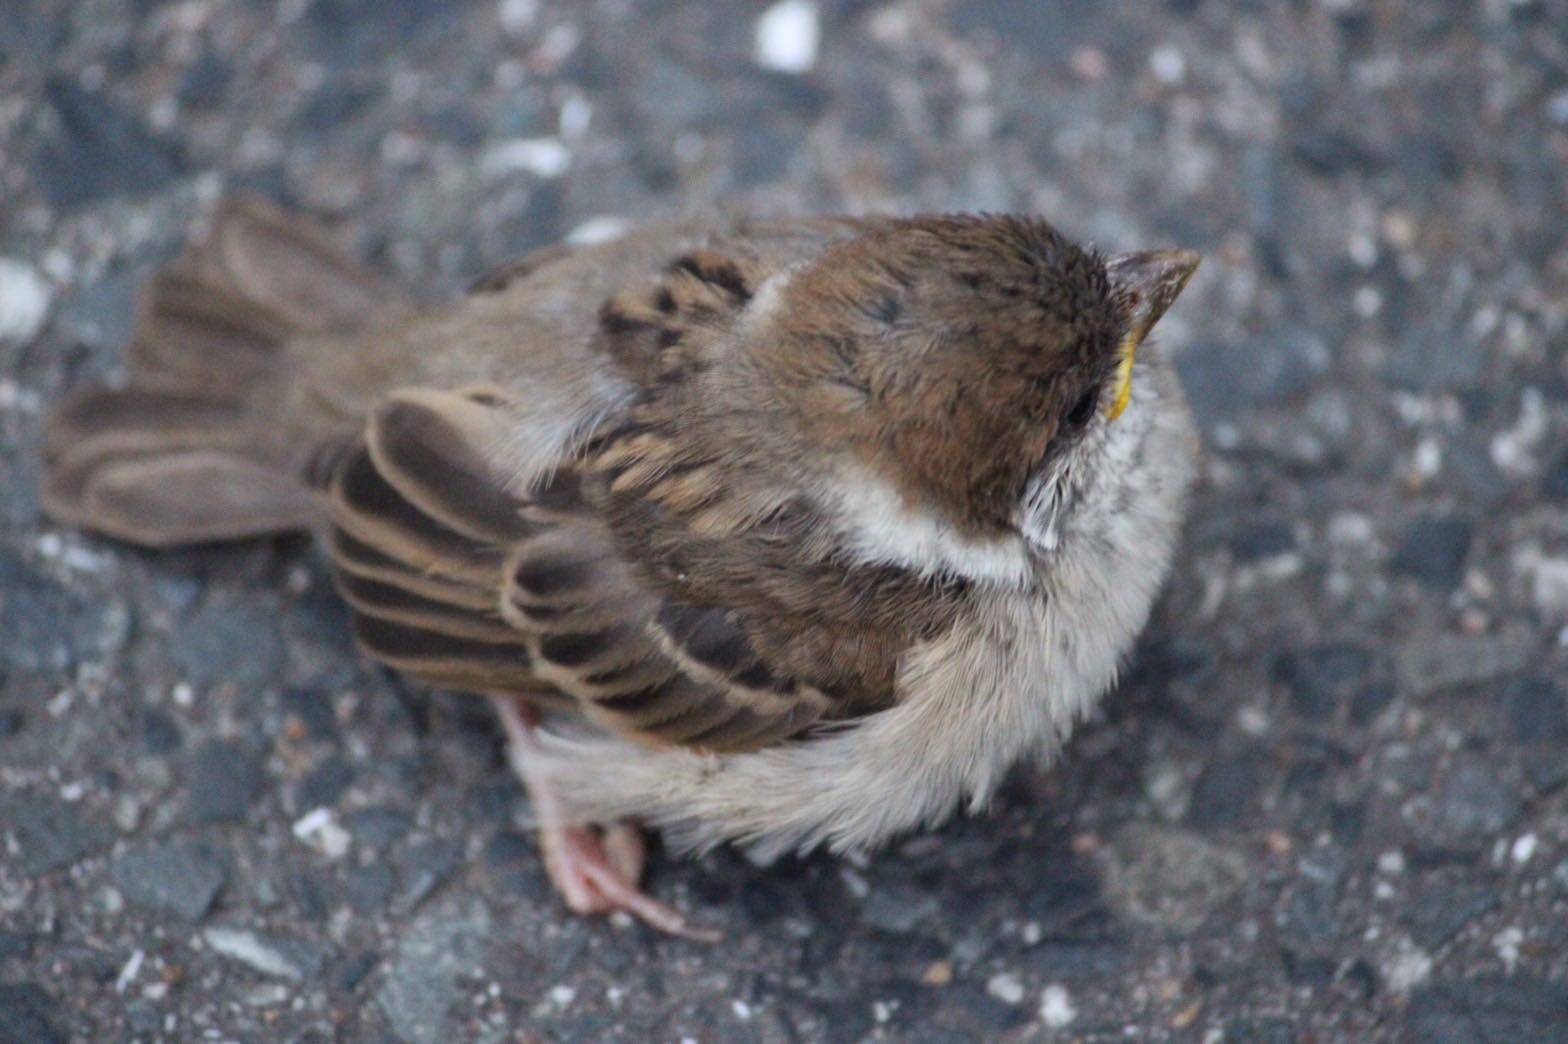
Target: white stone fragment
250	949
516	15
787	37
542	157
1513	450
1545	577
24	301
320	829
601	228
1408	967
1005	987
1523	848
1507	943
128	973
1056	1007
1167	64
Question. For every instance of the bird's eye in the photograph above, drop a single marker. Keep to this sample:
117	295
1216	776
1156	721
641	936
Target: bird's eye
1083	410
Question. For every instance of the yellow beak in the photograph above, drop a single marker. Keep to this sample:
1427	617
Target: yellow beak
1144	285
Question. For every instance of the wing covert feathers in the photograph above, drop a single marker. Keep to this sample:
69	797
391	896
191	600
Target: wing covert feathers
459	582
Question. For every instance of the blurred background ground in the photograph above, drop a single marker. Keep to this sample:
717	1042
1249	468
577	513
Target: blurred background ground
1329	802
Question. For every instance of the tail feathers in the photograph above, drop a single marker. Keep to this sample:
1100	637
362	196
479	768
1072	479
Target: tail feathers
188	451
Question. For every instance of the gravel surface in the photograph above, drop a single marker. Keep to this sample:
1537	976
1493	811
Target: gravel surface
1329	801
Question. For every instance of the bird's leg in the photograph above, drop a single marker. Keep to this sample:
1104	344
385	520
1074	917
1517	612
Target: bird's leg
595	871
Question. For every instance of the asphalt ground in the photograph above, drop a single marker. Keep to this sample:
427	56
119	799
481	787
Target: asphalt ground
1329	801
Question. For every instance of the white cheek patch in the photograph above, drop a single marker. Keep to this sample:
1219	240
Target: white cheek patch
880	529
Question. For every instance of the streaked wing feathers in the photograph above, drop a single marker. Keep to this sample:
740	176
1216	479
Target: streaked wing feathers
459	582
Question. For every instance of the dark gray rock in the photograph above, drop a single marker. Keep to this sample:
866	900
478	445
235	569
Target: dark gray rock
1040	29
100	315
14	944
28	1015
1070	959
324	784
898	909
222	781
182	878
204	83
1320	678
347	974
1223	379
1260	542
159	732
1555	482
367	888
1311	920
100	151
421	982
377	825
313	709
44	628
1488	1009
1536	710
509	846
1170	879
1442	911
1434	550
227	641
1261	1030
1474	805
425	868
1446	661
1225	790
47	834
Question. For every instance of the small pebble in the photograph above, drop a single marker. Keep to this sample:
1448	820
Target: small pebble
24	301
787	36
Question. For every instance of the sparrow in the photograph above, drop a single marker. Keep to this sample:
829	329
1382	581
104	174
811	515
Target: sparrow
787	533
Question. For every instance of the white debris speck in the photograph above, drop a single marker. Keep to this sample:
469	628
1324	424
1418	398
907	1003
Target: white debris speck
250	949
14	397
516	15
182	694
576	115
741	1009
1507	943
882	1011
1523	849
320	830
128	973
1391	862
1253	720
1546	578
1168	65
541	157
787	37
1408	967
1513	451
562	995
1362	249
73	791
24	301
1351	529
854	882
1005	987
1367	301
1031	933
1056	1007
1428	460
601	228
